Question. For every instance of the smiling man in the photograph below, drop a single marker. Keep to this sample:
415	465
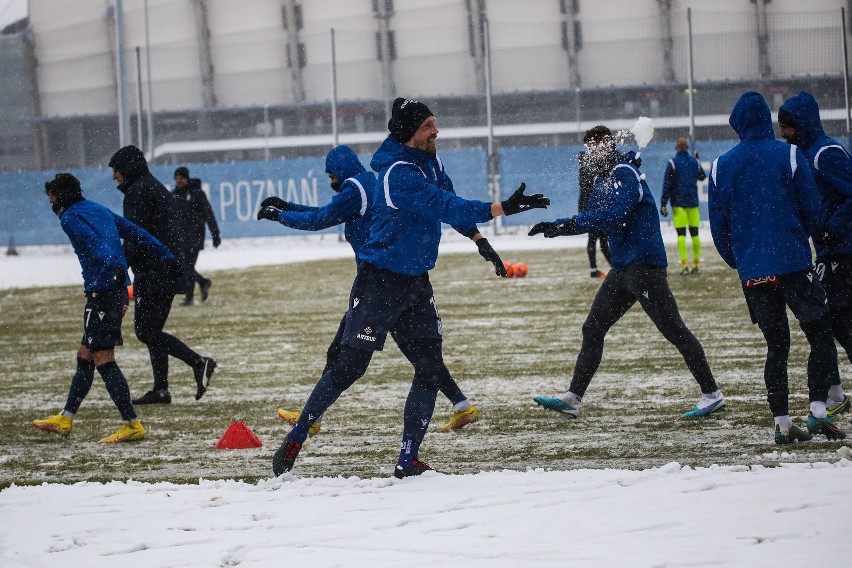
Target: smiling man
392	293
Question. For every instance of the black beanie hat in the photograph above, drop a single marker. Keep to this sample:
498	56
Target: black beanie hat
406	117
62	183
182	171
67	190
785	118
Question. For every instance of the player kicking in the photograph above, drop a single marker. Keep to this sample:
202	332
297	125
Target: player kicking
623	208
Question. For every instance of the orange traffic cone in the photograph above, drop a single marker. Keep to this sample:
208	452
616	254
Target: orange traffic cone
238	436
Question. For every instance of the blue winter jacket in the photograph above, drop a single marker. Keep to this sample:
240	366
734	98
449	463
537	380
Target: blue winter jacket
763	201
622	206
350	205
95	234
832	170
683	172
410	199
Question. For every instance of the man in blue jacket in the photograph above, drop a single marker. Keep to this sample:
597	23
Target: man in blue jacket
799	124
680	185
391	292
350	206
623	208
150	205
95	233
763	207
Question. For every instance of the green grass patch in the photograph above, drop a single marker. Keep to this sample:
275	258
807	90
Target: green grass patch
505	341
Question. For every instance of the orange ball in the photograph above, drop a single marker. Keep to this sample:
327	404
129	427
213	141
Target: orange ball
130	292
510	268
520	269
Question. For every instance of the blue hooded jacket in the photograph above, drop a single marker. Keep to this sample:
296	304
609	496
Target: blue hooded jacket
350	205
763	201
410	199
95	233
832	169
622	206
680	184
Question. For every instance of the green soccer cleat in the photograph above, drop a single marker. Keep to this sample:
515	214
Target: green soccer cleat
58	424
461	418
557	405
825	426
835	407
794	434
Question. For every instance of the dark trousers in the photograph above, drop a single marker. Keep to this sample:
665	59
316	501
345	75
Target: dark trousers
591	249
149	317
192	275
804	295
620	290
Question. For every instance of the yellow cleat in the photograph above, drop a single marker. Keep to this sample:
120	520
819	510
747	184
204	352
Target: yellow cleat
127	432
292	416
461	418
59	424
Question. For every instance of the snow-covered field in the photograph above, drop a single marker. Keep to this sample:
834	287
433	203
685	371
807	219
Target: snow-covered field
747	515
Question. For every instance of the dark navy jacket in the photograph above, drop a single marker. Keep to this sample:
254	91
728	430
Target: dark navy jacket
622	207
350	205
683	172
763	201
832	169
95	233
195	213
410	199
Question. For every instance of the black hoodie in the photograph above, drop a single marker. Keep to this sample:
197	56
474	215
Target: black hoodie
150	205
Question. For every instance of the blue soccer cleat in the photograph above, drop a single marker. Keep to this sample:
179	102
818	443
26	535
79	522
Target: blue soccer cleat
557	405
706	407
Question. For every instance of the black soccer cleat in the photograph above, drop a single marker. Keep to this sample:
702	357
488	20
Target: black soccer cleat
202	376
154	397
285	457
417	467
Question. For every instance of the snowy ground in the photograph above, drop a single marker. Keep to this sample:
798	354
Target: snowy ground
747	515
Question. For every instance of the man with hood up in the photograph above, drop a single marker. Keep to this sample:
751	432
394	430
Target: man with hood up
799	123
763	207
391	292
150	205
350	205
623	208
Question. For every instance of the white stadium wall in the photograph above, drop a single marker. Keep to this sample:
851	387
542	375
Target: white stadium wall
622	45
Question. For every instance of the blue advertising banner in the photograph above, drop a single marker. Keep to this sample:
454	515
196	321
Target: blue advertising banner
236	189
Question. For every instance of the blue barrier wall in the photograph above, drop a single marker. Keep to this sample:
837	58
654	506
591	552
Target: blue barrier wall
236	189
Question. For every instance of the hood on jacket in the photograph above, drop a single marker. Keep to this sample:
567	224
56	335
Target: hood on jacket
804	111
751	118
392	151
130	162
343	163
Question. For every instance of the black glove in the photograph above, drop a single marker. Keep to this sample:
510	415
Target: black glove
269	212
550	230
217	240
175	269
518	202
633	159
489	254
276	202
825	238
695	155
120	277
